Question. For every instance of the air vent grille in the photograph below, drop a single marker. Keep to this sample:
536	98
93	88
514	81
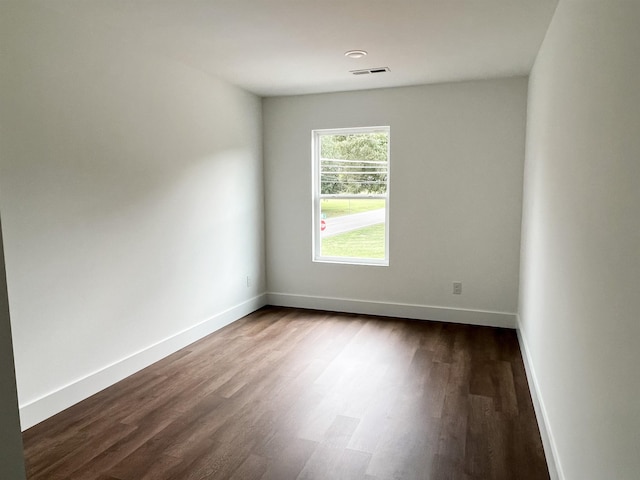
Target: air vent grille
368	71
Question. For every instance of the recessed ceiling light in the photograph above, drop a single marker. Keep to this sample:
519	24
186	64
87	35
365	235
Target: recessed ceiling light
355	53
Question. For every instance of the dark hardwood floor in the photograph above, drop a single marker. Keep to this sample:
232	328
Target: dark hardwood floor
287	393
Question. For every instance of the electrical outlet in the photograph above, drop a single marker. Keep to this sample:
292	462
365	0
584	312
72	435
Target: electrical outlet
248	281
457	288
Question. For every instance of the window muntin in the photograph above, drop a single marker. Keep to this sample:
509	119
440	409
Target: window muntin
351	195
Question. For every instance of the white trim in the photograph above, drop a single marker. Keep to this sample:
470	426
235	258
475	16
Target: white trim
548	442
369	262
54	402
390	309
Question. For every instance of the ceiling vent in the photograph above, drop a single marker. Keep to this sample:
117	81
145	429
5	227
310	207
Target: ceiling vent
368	71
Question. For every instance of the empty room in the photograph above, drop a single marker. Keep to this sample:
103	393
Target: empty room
277	239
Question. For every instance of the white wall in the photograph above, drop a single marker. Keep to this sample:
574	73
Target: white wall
580	275
457	153
11	457
132	201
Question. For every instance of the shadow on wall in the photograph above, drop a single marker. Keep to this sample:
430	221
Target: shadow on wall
129	185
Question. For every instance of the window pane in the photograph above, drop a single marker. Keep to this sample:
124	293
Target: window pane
353	227
354	164
350	195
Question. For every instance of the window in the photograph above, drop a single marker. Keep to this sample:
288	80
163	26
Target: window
351	195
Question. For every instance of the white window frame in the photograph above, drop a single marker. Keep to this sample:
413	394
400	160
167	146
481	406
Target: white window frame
317	197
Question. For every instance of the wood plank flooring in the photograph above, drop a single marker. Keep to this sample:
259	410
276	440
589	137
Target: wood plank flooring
296	394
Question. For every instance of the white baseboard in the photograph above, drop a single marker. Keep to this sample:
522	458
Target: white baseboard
44	407
400	310
548	443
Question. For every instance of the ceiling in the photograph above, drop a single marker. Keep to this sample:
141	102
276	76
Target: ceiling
285	47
